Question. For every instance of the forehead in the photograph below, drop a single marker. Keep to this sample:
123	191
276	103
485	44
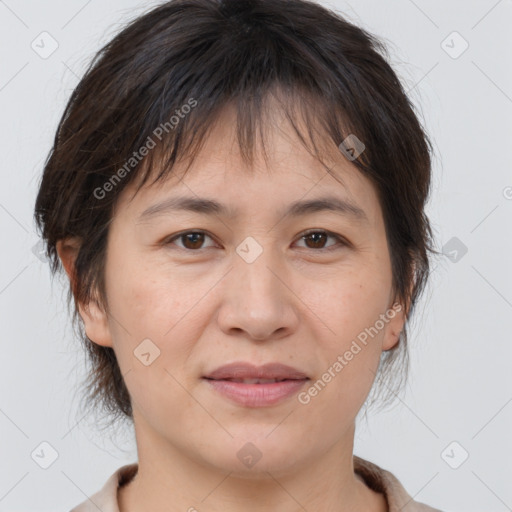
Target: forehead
289	173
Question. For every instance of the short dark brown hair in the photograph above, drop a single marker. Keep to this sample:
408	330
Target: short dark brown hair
207	55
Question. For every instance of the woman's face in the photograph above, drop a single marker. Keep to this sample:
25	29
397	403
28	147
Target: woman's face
250	290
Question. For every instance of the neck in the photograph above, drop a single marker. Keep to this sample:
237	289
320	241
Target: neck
170	480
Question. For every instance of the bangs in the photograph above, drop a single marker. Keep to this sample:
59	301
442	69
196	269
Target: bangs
256	114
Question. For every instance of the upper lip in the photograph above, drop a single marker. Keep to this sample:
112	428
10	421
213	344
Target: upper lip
242	370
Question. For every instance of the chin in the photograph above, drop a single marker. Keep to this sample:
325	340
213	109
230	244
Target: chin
254	452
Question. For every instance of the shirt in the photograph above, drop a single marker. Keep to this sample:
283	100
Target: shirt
376	478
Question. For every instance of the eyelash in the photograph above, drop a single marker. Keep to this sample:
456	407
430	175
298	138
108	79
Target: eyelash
341	241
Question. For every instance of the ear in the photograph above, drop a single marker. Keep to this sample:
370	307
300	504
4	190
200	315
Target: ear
94	317
396	315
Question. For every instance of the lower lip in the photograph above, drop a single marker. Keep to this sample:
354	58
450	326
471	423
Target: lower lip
257	395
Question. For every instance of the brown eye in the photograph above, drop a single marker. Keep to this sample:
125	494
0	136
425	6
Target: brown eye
191	240
314	239
317	240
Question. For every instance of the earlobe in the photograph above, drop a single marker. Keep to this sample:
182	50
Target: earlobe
95	323
397	316
94	317
397	312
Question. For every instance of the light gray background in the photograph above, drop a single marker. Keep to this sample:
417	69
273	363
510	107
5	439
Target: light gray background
460	388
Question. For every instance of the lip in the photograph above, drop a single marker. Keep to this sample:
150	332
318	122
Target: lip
242	370
290	382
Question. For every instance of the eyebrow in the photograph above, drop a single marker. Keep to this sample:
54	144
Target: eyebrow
207	206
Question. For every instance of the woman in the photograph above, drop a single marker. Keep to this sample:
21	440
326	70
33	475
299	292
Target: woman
236	192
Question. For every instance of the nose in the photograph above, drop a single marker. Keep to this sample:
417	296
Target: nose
258	300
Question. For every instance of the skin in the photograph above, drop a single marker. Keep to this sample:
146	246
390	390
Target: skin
296	304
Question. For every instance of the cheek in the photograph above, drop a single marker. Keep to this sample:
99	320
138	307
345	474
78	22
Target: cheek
349	350
146	308
350	303
144	296
351	347
149	303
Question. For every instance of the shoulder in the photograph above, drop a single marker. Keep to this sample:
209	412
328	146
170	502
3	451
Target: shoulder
106	498
383	481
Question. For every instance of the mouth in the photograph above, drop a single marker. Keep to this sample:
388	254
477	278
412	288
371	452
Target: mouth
251	386
253	381
240	371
